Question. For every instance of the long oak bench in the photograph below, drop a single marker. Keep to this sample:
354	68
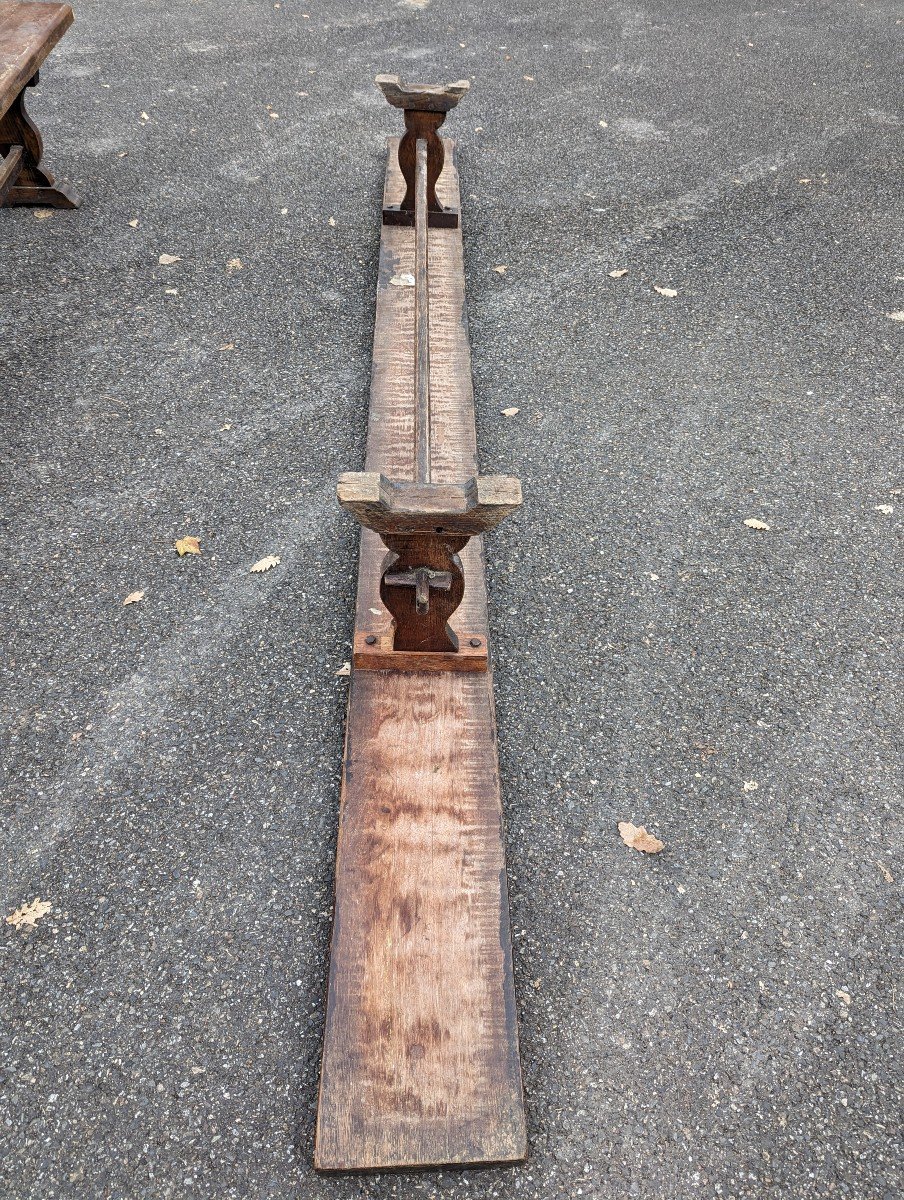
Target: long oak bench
28	32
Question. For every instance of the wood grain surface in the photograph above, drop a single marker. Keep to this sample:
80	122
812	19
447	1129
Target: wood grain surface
420	1062
28	32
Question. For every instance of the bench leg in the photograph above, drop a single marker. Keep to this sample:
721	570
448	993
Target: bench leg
34	184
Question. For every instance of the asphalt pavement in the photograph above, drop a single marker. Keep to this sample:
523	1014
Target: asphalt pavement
721	1020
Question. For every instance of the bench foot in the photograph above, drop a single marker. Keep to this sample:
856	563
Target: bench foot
44	196
34	184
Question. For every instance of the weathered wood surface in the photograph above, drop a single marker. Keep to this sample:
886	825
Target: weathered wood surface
420	1063
28	32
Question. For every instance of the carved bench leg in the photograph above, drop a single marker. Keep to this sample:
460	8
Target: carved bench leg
34	184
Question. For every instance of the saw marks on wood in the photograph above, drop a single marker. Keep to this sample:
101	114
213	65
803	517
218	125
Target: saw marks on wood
420	1063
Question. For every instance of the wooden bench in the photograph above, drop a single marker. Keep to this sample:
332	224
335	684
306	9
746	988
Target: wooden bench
28	32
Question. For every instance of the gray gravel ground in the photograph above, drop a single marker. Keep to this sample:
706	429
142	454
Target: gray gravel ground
719	1021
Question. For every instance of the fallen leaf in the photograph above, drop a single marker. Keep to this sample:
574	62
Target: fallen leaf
510	412
134	223
26	916
637	838
888	509
664	291
332	221
345	669
896	316
619	274
274	116
227	346
188	545
750	785
167	260
886	874
843	996
133	598
272	560
529	79
805	181
223	428
753	523
404	280
500	270
234	264
41	214
604	124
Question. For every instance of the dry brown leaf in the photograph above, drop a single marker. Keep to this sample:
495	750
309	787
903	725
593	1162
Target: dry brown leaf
345	669
265	564
619	274
234	264
167	260
133	598
227	346
403	280
188	545
134	223
753	523
510	412
41	214
664	291
886	874
26	916
637	838
500	270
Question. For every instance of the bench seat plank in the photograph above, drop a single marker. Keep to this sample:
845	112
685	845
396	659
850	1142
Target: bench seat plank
28	32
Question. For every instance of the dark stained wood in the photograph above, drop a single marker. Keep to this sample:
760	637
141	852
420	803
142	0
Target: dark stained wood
9	169
425	110
28	32
376	653
420	1061
423	584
